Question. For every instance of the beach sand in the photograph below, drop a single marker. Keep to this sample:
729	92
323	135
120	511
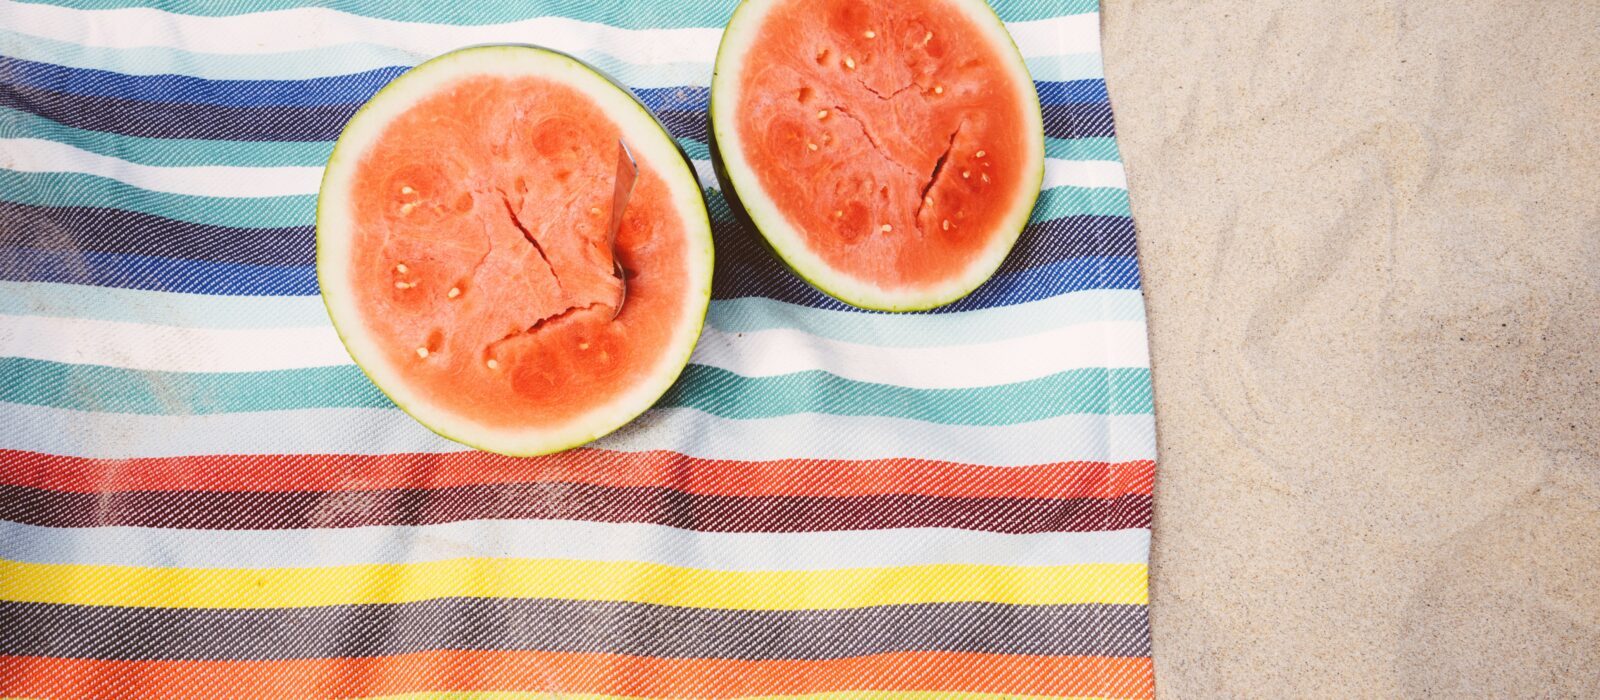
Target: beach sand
1370	239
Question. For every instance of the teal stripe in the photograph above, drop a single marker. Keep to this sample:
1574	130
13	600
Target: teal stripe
716	391
745	315
696	149
346	59
320	62
1092	148
1095	390
80	190
167	152
1058	202
651	15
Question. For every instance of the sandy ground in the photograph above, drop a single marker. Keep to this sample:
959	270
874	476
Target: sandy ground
1370	234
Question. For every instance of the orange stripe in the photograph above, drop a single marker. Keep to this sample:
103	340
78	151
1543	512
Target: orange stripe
587	465
576	673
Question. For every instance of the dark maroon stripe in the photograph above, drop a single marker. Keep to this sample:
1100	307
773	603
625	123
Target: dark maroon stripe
271	510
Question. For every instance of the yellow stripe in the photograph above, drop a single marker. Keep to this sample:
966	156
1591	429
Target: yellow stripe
570	580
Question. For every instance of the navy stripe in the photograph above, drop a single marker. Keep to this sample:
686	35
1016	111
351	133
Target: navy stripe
354	88
180	121
128	232
731	281
570	626
323	122
1079	121
154	273
124	232
173	120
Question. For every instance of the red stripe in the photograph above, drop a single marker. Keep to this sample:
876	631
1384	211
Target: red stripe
534	671
591	466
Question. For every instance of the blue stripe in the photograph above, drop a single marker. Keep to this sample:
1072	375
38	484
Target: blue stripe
731	281
1072	92
342	89
356	88
153	273
121	231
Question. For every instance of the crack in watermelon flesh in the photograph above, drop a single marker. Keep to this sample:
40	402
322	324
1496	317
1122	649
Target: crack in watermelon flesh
941	154
481	215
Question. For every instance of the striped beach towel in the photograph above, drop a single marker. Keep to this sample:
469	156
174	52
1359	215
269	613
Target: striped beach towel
200	496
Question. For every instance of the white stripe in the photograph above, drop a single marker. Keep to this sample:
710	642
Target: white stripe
705	174
1081	437
42	156
569	540
764	353
311	27
784	351
1084	173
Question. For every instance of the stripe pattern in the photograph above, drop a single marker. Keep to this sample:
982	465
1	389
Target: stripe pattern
201	496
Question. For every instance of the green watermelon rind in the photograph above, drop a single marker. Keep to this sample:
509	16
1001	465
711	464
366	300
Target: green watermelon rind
702	291
818	274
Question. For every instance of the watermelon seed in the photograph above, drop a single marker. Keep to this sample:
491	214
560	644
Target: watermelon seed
849	63
979	154
407	207
938	89
822	114
404	285
594	211
406	189
966	173
838	214
947	224
422	353
811	146
870	34
583	346
986	177
492	364
454	292
928	201
401	268
927	38
886	228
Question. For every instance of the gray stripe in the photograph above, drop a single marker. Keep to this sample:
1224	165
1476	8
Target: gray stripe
1089	438
106	632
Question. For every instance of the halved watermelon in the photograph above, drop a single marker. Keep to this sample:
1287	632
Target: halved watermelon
890	152
462	253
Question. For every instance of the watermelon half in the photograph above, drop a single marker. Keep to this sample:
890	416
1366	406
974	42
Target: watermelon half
462	253
890	152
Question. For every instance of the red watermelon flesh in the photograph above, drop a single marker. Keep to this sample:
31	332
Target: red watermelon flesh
480	272
891	137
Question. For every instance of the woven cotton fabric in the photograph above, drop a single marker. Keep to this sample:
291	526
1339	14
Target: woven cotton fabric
200	495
